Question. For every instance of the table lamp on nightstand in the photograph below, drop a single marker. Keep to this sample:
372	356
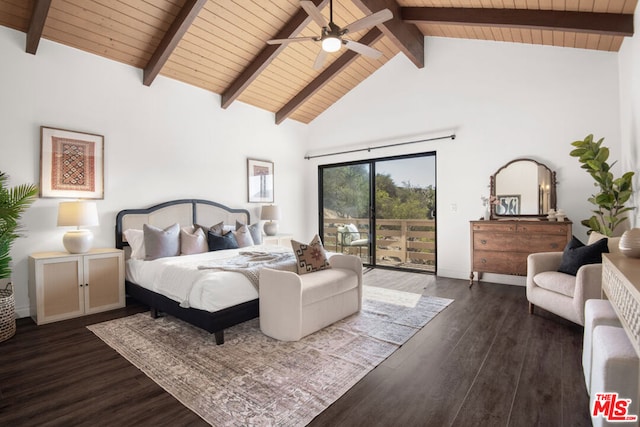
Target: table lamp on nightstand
270	213
77	214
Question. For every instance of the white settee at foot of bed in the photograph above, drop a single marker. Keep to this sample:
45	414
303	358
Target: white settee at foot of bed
293	306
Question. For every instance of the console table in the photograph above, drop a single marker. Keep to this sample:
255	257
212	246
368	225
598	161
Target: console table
502	246
621	285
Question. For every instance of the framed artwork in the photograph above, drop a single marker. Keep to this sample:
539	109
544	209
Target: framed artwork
71	164
508	204
260	181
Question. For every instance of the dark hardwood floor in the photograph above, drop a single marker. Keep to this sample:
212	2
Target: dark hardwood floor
483	361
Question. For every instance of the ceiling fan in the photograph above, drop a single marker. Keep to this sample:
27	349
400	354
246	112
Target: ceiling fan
332	35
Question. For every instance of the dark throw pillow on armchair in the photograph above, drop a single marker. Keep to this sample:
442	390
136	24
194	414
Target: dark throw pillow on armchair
576	254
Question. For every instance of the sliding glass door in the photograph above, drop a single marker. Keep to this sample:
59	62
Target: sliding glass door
346	209
382	210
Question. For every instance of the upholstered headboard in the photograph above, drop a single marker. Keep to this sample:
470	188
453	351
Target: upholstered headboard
184	212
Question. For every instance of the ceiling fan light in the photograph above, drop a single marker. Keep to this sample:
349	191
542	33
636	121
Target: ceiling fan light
331	44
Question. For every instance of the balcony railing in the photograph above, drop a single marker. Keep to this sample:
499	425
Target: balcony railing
407	243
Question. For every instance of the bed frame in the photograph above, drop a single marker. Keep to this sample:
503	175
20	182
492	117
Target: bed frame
185	212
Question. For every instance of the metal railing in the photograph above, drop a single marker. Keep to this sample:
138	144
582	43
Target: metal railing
407	243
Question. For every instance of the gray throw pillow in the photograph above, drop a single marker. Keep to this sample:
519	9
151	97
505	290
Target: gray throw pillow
160	243
254	229
243	237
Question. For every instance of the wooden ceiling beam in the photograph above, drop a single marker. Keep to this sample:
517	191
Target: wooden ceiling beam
292	28
406	36
372	36
176	31
36	25
582	22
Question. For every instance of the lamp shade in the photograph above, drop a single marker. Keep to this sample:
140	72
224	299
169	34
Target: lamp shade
270	213
77	214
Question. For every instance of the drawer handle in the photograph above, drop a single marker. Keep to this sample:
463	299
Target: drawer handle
483	260
484	242
554	246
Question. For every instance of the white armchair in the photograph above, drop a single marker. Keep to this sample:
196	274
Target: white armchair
561	293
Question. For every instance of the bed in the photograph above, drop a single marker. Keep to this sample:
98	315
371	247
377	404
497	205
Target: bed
184	212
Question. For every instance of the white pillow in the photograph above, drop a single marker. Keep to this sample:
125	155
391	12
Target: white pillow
136	242
193	241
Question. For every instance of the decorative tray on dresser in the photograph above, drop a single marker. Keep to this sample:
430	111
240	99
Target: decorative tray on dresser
502	246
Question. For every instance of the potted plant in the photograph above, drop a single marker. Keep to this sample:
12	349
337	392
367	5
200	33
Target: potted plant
613	192
13	202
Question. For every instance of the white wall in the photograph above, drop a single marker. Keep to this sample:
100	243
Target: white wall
629	58
167	141
503	101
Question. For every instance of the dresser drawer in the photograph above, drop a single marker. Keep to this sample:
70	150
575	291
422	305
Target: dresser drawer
500	262
501	242
495	226
555	228
541	243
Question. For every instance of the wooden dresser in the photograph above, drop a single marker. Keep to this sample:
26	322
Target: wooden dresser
502	247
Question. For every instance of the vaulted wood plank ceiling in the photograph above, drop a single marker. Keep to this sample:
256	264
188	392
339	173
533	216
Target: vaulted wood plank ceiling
220	45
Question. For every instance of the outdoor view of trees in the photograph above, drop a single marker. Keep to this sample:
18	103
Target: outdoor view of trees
346	195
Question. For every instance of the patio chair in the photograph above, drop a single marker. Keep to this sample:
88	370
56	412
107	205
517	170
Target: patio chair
350	237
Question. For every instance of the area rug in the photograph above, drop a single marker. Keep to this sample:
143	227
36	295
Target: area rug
254	380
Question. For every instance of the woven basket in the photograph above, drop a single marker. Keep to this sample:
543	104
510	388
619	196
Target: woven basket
7	313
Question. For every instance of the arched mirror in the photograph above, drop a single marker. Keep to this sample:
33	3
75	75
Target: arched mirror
523	188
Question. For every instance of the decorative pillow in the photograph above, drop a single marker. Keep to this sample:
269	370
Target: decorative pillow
218	242
135	238
576	254
311	257
218	229
243	237
159	243
254	229
193	240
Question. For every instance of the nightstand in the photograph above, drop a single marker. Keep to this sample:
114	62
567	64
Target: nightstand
280	239
64	285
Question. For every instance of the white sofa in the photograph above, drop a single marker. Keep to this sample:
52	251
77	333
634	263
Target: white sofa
293	306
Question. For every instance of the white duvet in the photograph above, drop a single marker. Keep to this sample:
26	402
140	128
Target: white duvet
179	279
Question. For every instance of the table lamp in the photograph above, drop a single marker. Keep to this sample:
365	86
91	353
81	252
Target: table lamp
270	213
77	214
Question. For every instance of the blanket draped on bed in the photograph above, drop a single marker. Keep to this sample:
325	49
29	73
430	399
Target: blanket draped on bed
250	263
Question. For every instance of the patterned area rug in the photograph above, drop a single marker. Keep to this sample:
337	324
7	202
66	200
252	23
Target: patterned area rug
255	380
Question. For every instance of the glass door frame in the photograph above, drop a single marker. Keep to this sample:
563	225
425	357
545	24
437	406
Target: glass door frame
372	203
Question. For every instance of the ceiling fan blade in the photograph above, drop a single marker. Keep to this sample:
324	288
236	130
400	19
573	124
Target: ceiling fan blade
296	39
320	59
363	49
369	21
314	13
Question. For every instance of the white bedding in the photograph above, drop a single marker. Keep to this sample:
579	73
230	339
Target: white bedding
179	279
